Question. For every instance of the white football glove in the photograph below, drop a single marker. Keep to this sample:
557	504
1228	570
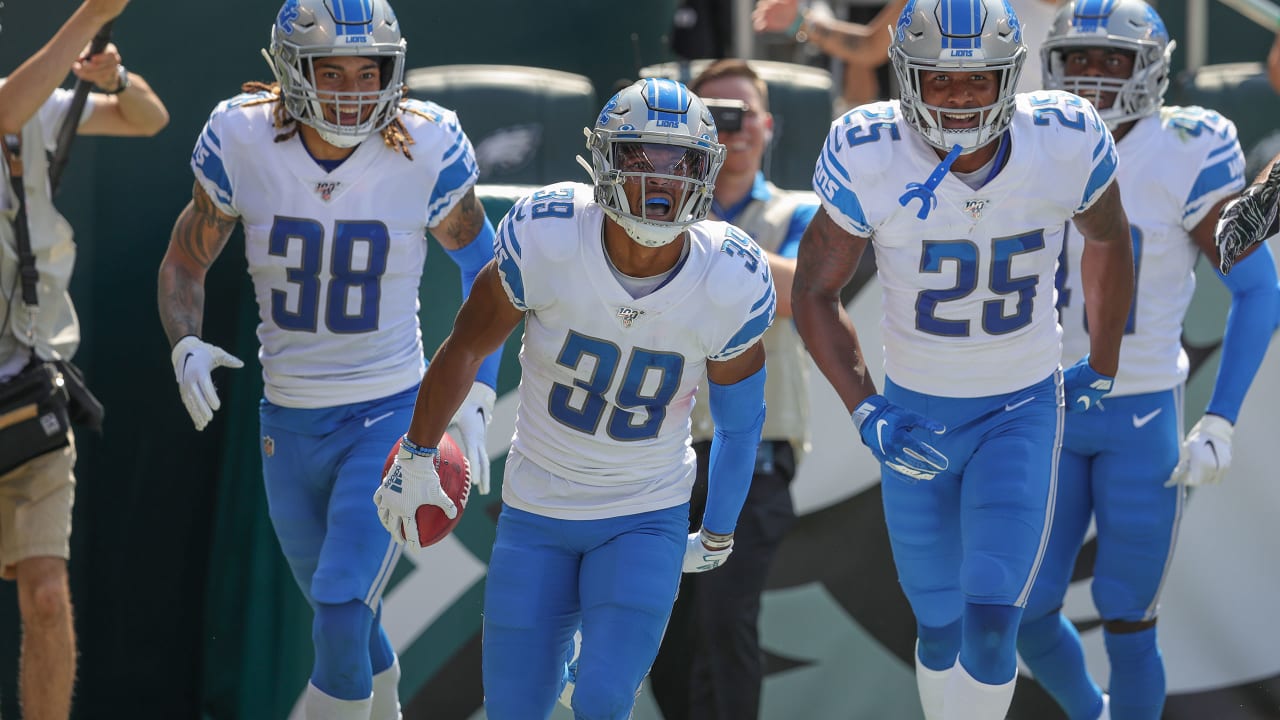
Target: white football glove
705	551
412	482
1206	453
193	363
469	427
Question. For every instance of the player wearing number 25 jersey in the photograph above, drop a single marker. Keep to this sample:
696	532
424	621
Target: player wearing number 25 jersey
630	300
335	179
962	188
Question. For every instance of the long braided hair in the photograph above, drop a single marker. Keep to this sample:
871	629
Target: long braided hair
395	135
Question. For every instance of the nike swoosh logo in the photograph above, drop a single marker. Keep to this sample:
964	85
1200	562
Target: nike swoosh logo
1143	420
369	422
880	426
185	358
1020	403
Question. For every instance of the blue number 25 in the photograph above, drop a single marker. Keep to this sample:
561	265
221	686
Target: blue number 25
965	257
638	414
346	278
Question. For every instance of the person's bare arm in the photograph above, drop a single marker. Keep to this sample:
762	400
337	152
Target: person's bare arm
457	229
482	326
135	112
199	235
826	262
729	372
1106	271
31	84
862	45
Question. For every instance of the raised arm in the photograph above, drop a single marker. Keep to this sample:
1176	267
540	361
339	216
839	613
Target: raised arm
27	87
131	110
1106	270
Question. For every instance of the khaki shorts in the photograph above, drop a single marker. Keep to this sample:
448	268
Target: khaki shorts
35	509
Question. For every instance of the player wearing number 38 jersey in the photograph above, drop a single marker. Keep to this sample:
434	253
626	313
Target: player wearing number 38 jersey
963	187
630	300
335	178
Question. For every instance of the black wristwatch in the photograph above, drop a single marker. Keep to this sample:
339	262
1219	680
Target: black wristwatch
122	76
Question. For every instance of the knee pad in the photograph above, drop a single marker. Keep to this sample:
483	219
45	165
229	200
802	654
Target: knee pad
986	578
340	634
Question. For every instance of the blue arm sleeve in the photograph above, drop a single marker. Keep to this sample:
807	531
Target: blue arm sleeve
470	259
1255	310
738	413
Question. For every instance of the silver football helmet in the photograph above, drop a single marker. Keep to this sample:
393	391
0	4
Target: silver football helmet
1131	25
309	29
955	36
657	130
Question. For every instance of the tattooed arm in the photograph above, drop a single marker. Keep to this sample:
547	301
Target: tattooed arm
827	259
462	224
199	236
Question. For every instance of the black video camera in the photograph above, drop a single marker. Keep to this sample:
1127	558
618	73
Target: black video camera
728	114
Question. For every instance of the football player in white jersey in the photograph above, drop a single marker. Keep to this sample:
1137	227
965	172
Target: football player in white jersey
335	178
1124	463
630	300
963	188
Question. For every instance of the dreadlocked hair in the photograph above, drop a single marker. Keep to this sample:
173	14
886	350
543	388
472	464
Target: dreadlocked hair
395	135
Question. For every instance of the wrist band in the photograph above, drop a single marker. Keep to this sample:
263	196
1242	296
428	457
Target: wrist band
715	541
416	449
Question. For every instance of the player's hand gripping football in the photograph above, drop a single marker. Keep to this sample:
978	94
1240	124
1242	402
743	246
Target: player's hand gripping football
411	482
1206	453
900	438
1247	220
193	363
469	428
1084	386
705	551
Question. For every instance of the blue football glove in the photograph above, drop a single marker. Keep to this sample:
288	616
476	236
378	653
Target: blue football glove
900	438
1084	386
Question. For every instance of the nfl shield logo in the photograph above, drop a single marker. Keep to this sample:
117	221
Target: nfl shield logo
268	446
975	208
628	315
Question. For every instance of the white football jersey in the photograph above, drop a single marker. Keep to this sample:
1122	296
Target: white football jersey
336	257
968	290
607	381
1176	165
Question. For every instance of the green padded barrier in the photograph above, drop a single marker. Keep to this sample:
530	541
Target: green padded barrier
1241	92
525	122
800	99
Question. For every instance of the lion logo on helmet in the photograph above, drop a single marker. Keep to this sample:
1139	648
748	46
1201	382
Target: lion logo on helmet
287	15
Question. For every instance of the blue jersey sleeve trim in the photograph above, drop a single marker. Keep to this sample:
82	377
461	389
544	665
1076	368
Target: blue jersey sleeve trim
738	413
1255	311
507	255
